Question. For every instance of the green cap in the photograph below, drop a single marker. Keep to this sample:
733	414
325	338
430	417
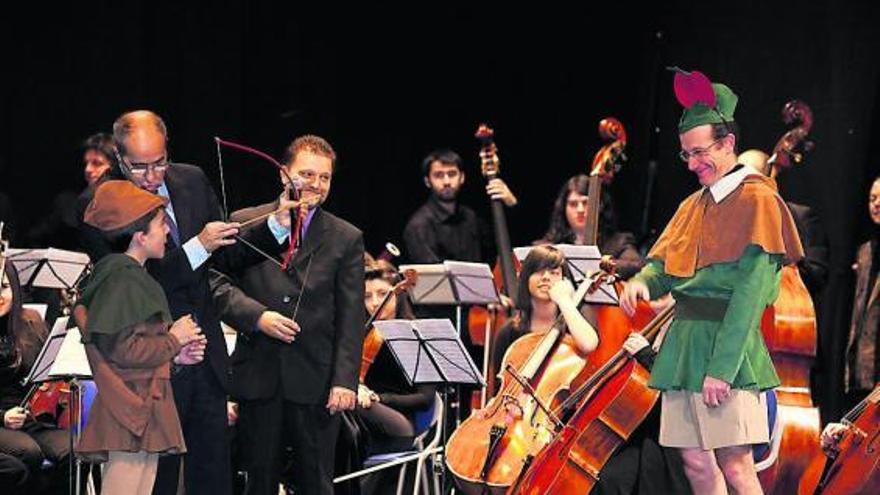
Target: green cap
700	114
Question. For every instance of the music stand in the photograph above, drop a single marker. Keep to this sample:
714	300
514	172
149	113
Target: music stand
583	262
63	357
453	283
430	351
49	268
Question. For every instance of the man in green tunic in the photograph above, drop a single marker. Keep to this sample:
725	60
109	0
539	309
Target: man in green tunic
720	258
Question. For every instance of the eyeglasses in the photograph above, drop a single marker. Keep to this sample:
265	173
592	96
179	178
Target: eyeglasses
141	169
698	152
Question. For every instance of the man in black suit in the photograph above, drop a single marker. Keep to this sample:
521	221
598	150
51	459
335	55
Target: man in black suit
298	353
197	241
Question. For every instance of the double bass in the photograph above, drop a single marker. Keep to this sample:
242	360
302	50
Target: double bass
789	329
610	321
853	466
483	323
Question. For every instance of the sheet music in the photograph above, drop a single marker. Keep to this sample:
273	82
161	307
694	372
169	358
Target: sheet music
442	341
432	285
474	282
43	363
71	359
407	351
60	270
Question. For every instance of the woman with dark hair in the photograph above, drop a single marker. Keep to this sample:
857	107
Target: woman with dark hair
568	223
545	291
99	157
25	442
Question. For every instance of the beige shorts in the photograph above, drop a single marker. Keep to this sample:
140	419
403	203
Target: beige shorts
686	422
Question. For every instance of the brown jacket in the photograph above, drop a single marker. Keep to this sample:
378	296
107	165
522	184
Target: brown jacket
134	410
862	369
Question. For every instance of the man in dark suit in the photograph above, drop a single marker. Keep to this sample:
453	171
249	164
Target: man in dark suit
297	358
197	241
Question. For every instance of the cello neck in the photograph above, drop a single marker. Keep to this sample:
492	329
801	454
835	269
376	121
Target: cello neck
855	412
594	200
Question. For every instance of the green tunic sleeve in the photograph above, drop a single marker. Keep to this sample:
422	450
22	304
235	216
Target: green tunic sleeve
653	276
756	287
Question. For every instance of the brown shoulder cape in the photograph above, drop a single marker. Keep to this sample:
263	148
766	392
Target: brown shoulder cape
703	232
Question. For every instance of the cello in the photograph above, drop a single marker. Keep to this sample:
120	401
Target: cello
789	329
601	413
853	466
486	452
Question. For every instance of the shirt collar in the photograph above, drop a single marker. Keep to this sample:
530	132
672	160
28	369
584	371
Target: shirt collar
730	182
308	220
163	191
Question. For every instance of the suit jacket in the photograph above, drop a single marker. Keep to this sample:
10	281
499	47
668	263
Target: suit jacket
326	279
187	290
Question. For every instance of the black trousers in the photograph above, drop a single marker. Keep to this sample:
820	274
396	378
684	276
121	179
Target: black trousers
387	429
379	429
267	427
22	453
201	406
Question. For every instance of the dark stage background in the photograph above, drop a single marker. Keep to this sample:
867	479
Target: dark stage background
386	84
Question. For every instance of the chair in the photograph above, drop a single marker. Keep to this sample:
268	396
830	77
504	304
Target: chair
425	446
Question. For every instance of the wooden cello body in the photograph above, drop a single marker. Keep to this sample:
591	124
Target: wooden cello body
854	466
487	451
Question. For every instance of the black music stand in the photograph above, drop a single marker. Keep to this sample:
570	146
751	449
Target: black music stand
430	351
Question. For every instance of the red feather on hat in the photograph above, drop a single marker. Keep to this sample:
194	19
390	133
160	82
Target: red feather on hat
692	88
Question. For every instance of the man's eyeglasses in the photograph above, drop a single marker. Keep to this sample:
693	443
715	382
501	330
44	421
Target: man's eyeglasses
141	169
698	152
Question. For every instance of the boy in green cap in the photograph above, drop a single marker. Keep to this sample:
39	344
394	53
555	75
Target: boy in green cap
720	257
130	341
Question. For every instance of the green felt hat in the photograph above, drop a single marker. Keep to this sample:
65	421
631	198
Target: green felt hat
701	114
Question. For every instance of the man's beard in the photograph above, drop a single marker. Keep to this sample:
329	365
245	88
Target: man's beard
447	195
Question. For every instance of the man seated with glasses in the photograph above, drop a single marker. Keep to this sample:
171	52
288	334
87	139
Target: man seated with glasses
197	240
